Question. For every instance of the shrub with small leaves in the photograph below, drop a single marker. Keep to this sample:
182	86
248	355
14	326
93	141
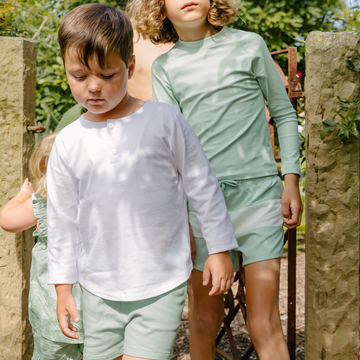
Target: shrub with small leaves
350	65
349	124
6	15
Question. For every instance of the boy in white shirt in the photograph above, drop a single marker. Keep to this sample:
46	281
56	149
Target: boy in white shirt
117	180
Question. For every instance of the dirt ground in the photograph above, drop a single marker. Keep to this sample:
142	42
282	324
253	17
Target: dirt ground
181	347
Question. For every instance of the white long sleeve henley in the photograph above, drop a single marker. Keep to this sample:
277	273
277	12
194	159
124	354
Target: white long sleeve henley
120	188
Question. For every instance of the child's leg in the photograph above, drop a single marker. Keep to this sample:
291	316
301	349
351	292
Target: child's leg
254	207
47	349
206	314
262	305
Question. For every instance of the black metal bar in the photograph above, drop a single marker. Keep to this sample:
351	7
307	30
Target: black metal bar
291	325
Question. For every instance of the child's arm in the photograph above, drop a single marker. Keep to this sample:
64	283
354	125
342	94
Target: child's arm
18	214
285	117
161	87
66	309
204	193
291	201
63	236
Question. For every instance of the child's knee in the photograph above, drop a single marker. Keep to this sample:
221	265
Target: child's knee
262	327
208	320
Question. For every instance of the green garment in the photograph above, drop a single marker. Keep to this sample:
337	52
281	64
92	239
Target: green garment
42	297
220	84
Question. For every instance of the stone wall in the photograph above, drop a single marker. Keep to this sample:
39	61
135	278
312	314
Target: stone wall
17	110
332	202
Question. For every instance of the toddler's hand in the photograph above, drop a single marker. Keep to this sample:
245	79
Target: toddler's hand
66	309
27	187
219	266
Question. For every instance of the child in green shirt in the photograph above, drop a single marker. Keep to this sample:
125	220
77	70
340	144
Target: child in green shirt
220	78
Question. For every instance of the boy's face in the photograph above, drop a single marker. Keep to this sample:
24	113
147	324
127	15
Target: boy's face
187	13
98	90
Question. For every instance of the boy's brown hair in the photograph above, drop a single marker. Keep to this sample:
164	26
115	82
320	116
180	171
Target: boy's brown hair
96	30
147	15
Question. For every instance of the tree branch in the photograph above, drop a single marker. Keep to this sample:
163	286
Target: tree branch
36	14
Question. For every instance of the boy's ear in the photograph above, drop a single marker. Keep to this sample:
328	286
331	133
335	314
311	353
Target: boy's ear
131	68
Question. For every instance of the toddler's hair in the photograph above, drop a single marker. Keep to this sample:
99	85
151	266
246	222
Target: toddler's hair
147	15
96	30
38	164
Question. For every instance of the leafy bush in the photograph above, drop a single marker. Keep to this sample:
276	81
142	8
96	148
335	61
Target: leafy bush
6	16
282	24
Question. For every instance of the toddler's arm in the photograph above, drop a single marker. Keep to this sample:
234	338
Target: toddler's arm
66	309
18	214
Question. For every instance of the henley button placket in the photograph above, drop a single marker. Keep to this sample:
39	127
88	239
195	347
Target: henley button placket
112	144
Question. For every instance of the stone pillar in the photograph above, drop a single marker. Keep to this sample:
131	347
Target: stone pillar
17	110
332	202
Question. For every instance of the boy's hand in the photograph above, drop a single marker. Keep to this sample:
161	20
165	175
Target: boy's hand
66	309
219	266
27	187
291	202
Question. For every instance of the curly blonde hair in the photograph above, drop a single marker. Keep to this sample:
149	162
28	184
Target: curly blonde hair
149	18
38	164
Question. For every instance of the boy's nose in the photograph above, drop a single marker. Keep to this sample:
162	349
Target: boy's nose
94	86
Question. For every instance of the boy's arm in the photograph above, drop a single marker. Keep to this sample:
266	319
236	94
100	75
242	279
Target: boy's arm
63	237
66	309
18	214
285	117
204	193
62	210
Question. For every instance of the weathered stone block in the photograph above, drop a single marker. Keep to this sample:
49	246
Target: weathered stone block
332	205
17	110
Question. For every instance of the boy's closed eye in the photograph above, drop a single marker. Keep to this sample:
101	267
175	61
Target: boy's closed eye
80	78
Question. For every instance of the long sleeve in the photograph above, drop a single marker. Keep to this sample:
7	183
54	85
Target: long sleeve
203	190
62	209
162	91
279	107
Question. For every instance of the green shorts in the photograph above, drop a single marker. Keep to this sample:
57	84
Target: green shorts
45	349
255	211
145	328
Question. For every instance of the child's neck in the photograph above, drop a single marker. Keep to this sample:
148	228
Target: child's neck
196	33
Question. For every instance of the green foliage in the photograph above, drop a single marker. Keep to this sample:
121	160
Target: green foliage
349	18
282	24
287	23
349	124
6	16
350	65
53	96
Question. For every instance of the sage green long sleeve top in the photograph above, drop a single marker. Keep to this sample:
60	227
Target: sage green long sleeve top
221	84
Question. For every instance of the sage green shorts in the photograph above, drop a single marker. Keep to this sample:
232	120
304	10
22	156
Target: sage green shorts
144	328
45	349
255	211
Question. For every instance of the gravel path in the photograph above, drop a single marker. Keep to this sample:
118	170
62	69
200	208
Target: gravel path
181	347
